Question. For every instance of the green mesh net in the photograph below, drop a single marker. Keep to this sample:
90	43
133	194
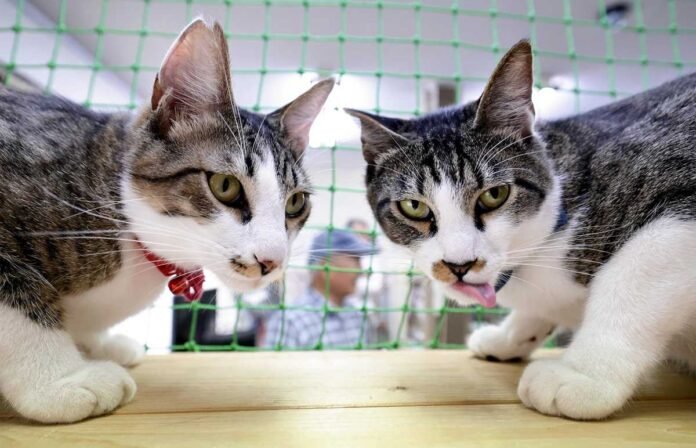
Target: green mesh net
423	53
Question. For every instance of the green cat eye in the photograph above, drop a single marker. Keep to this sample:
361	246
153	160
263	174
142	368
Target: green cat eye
225	187
295	204
494	197
415	210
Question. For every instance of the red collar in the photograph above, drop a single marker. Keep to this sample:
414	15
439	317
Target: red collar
186	282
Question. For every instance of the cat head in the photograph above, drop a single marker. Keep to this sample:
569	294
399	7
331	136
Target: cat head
212	185
464	187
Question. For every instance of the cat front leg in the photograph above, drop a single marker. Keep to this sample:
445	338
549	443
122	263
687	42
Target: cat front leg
514	339
44	377
638	302
118	348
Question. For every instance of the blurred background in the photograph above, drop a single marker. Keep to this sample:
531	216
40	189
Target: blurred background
402	58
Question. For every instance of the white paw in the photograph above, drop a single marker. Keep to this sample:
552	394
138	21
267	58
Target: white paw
122	350
555	388
96	388
493	343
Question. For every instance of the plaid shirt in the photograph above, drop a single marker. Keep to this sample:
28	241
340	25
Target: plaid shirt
302	329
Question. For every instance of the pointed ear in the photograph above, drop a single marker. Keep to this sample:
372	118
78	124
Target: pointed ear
376	134
294	120
506	103
195	75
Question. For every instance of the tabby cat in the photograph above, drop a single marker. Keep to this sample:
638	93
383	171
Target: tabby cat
591	221
97	211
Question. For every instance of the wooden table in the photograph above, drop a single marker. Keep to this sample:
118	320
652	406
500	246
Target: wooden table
354	399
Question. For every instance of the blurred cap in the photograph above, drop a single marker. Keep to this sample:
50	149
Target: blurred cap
339	242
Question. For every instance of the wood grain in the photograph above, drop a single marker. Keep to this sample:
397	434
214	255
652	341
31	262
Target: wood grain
649	424
396	398
249	381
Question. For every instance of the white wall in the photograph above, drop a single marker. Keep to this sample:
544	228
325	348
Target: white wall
38	48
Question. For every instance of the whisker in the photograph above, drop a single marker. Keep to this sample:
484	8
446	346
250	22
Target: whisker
68	232
507	170
554	248
485	151
253	147
232	132
160	229
149	244
561	258
485	158
554	268
517	156
488	159
535	286
107	205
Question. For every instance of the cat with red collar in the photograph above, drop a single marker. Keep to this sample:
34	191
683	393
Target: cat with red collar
98	212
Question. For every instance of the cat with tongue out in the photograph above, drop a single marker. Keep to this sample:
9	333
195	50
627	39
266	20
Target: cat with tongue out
587	223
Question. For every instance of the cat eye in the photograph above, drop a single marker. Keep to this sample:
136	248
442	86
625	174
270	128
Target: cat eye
493	198
415	210
295	204
225	187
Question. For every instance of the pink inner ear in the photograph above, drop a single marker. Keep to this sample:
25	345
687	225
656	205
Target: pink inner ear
300	135
298	126
297	117
506	104
175	61
297	122
195	71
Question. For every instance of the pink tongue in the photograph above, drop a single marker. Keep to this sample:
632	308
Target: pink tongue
484	294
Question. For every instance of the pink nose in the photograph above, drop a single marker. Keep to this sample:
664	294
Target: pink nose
267	265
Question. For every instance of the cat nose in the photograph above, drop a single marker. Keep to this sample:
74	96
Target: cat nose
459	270
267	265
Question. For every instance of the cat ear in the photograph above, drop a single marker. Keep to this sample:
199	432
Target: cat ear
294	120
376	134
506	103
195	75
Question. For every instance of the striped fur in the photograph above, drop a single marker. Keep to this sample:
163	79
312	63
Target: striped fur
618	271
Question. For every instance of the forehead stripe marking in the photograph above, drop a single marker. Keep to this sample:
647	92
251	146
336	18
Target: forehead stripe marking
168	177
472	165
530	186
249	162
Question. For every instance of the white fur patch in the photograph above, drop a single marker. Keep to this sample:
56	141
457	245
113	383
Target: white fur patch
44	377
639	303
135	286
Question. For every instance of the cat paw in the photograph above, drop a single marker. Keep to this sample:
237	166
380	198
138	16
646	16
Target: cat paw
123	350
96	388
118	348
553	387
492	343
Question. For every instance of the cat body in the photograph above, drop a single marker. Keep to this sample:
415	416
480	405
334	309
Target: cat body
93	203
620	151
591	218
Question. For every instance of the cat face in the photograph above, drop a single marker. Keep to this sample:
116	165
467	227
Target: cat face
212	185
464	188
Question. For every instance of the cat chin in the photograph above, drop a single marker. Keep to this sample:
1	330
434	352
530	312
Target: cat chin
238	283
